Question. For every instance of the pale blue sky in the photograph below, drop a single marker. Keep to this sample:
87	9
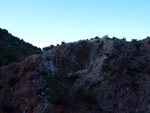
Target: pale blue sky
43	22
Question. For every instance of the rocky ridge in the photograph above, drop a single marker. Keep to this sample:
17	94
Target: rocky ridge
89	76
13	49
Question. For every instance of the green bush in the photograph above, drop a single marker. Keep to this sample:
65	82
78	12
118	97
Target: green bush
12	81
58	89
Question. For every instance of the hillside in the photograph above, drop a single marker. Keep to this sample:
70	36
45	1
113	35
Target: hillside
90	76
13	49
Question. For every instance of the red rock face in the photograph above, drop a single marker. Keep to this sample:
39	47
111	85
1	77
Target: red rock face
146	44
21	97
104	75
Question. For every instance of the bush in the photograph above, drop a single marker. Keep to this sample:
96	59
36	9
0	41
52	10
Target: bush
47	57
134	85
136	43
1	86
49	47
6	107
99	109
97	37
88	97
12	81
58	89
63	42
12	49
118	44
124	39
106	67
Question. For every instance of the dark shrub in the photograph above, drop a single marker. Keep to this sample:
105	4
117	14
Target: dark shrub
124	39
1	86
134	85
88	97
6	107
97	37
49	47
12	81
12	49
136	43
58	87
63	42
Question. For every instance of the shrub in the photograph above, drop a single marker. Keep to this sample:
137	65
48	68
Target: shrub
94	84
47	57
63	42
88	97
136	43
46	77
6	107
147	71
106	60
12	81
58	87
43	73
1	86
117	44
134	85
97	37
130	69
124	39
12	49
115	105
106	67
91	38
49	47
100	109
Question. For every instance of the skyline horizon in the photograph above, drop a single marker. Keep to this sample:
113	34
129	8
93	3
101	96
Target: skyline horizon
64	20
42	45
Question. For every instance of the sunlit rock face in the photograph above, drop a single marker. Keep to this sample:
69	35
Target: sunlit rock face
90	76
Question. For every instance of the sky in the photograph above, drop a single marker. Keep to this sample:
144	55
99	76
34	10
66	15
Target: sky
45	22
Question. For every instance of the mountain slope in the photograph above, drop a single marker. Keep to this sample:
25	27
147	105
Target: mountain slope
13	49
92	76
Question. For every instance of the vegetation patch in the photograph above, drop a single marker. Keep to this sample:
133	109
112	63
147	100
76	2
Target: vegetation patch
88	97
58	88
134	85
49	47
12	81
1	86
6	107
85	95
12	49
136	43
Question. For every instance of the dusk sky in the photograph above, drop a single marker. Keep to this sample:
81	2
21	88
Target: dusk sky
45	22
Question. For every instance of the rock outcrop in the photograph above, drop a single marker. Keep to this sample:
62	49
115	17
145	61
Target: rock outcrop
92	76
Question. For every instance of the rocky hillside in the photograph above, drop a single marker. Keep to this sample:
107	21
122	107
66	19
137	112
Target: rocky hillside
13	49
92	76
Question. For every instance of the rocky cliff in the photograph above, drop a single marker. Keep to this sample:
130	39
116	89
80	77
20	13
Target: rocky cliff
89	76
